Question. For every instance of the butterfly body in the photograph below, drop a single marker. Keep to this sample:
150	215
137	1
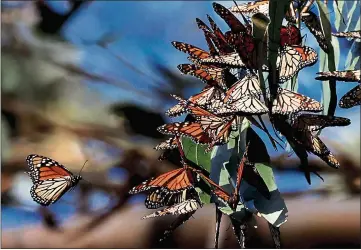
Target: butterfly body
51	180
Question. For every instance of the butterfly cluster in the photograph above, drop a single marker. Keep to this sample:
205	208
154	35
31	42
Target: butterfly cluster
234	92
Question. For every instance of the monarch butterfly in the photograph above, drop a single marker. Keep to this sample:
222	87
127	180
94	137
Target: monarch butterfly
315	145
204	97
220	43
193	51
184	207
224	46
349	34
261	6
161	197
51	180
346	75
291	102
312	122
351	98
291	59
249	84
314	25
290	35
168	144
192	130
232	21
251	8
212	76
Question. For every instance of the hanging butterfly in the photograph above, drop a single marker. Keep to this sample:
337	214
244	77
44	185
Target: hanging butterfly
291	59
232	21
192	130
212	76
195	52
315	145
248	85
204	97
313	23
351	98
290	35
216	46
349	34
313	122
51	180
222	41
252	8
168	144
346	76
261	6
288	102
184	207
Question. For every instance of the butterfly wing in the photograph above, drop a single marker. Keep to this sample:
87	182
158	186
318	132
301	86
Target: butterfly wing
191	50
168	144
351	98
291	102
346	75
313	122
249	84
184	207
291	59
227	60
314	25
232	21
51	179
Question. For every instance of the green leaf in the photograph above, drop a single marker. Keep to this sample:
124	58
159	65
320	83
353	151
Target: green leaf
260	23
340	15
196	153
329	90
277	11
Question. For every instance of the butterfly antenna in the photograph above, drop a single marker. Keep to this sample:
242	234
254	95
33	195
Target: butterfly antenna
82	167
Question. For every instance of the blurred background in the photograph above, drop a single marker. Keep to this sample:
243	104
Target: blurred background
91	81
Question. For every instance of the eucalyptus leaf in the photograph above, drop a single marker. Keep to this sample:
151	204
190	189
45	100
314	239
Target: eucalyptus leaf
277	11
329	90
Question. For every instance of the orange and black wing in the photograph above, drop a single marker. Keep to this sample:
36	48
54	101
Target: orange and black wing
51	179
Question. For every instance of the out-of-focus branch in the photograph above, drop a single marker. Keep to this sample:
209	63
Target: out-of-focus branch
323	223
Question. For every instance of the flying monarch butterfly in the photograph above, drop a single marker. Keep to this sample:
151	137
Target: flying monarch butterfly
51	180
346	75
290	35
351	98
313	122
349	34
184	207
288	102
313	23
